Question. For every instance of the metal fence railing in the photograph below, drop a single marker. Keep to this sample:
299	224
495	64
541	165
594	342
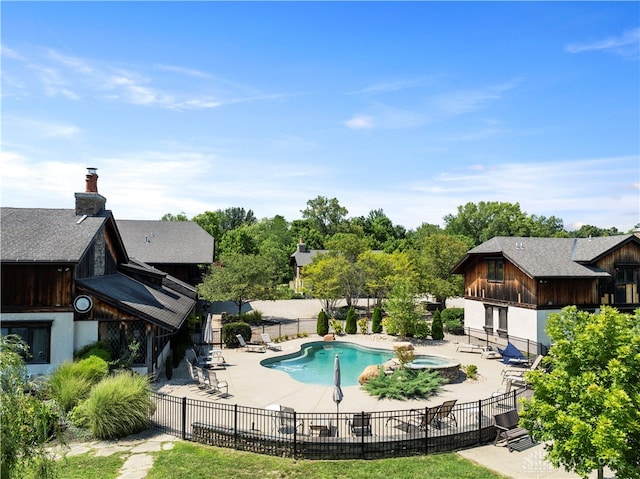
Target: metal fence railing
481	337
362	434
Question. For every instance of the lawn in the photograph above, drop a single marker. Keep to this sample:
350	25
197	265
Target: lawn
194	461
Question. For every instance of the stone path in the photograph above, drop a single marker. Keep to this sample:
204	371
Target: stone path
137	449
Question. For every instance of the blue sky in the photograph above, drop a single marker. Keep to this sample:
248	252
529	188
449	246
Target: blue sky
413	108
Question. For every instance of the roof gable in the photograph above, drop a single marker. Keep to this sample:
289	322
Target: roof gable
172	242
549	257
46	235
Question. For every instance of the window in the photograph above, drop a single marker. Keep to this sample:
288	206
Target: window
625	276
496	270
502	319
488	319
37	335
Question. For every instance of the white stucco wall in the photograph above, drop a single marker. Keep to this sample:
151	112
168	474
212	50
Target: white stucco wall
62	332
86	332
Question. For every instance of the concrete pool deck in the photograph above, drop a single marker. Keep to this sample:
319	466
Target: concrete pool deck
253	385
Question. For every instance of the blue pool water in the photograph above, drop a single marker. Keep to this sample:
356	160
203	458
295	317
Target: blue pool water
313	364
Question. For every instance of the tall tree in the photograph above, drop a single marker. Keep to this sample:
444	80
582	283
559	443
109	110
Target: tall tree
326	215
436	256
322	279
587	407
239	278
484	220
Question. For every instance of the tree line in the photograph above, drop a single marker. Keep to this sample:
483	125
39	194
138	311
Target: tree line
365	255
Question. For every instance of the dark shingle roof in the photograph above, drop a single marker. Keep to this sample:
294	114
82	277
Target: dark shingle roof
162	306
550	257
45	235
174	242
303	258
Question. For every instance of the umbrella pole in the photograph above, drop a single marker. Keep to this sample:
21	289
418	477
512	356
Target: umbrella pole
337	419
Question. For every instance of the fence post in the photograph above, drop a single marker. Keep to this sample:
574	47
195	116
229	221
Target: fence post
184	418
235	426
426	431
362	435
480	421
295	434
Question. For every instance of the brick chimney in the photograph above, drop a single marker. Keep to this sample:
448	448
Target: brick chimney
90	203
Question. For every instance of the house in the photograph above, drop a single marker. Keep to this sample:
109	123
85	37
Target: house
512	284
158	244
298	260
68	281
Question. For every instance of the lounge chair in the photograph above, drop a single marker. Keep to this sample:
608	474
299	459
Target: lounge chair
288	422
512	355
517	374
252	348
203	383
266	339
360	424
446	413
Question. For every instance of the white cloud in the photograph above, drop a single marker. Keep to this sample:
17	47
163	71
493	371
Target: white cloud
626	45
389	86
465	101
359	122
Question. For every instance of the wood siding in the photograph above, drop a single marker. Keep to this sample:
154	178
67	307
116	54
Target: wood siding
37	287
516	288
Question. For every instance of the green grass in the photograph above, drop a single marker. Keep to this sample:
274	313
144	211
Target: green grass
87	466
193	461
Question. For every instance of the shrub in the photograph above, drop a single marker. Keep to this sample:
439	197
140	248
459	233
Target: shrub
117	407
363	325
336	325
422	330
376	320
251	317
351	326
390	325
436	327
471	370
71	382
97	348
230	330
322	326
453	320
404	383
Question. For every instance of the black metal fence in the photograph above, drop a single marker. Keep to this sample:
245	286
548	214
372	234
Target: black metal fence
284	432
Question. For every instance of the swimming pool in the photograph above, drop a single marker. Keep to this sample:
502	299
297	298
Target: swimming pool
313	364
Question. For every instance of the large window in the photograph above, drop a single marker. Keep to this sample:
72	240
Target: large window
37	335
491	313
496	270
488	319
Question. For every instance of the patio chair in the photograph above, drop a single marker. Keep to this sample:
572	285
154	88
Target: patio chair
203	383
417	422
360	424
446	413
250	347
266	339
214	386
289	423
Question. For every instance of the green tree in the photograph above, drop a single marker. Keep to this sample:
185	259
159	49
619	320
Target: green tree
238	241
239	278
487	219
27	422
376	320
436	257
322	326
587	231
322	279
402	308
587	407
351	323
437	332
171	217
381	270
325	215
